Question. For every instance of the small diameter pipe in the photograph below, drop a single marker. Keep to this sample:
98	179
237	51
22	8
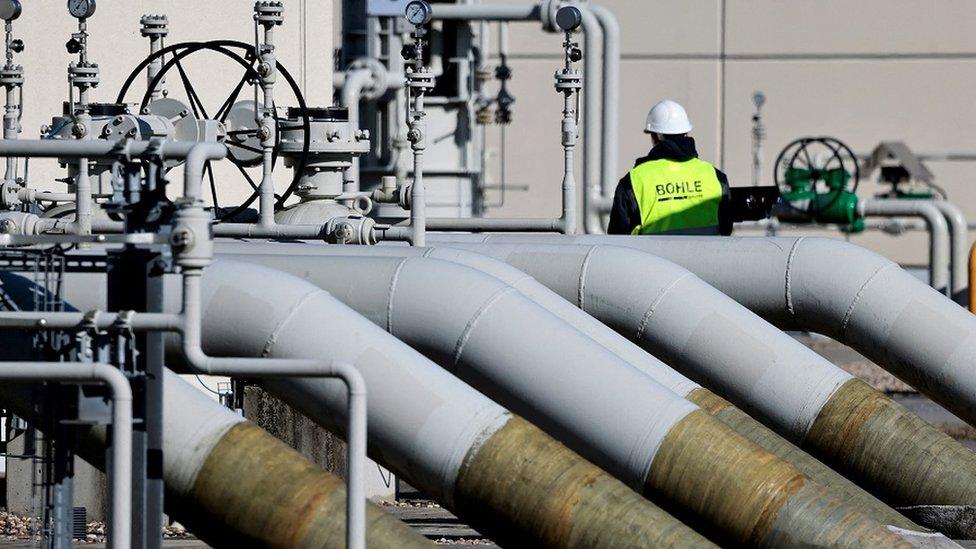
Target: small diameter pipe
938	232
592	170
83	199
120	527
478	12
611	113
352	90
96	148
959	240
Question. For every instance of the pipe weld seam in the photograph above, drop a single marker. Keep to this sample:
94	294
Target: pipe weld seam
469	327
657	301
268	348
390	292
857	296
789	277
581	284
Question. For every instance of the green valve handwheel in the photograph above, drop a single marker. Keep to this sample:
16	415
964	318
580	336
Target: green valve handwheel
818	179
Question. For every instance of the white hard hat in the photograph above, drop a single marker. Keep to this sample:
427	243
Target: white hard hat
669	118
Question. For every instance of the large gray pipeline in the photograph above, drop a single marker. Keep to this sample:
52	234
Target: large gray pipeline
493	337
282	501
742	423
870	304
501	474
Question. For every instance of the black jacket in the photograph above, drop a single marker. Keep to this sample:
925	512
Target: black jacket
625	214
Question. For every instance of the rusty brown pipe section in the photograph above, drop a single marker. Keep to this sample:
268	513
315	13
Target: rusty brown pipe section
864	432
254	491
757	433
543	491
757	499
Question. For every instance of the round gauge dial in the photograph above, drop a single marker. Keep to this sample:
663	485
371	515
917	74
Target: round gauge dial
418	12
9	9
82	9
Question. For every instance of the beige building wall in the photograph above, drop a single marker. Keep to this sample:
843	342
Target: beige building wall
861	71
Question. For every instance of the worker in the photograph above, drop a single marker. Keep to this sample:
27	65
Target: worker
671	191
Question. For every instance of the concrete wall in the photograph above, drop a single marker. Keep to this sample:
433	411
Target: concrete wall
860	71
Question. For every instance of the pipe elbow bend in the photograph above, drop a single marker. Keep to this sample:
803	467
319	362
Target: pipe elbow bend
825	278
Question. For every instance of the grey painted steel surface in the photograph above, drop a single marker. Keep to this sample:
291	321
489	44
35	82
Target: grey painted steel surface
833	288
352	89
356	406
425	441
959	244
528	286
610	127
937	226
120	527
477	12
689	324
490	335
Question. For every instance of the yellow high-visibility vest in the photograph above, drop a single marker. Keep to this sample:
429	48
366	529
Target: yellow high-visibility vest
676	196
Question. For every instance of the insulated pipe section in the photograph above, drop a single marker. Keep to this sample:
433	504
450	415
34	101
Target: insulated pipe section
499	473
719	408
938	232
875	307
491	336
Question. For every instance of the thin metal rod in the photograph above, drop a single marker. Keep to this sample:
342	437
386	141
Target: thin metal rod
120	527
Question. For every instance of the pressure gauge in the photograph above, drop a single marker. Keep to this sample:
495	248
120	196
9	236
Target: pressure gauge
9	9
419	13
82	9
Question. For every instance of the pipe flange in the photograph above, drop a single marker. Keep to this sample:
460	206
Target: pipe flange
379	79
154	25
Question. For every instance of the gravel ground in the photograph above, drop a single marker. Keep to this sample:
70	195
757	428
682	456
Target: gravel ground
15	527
